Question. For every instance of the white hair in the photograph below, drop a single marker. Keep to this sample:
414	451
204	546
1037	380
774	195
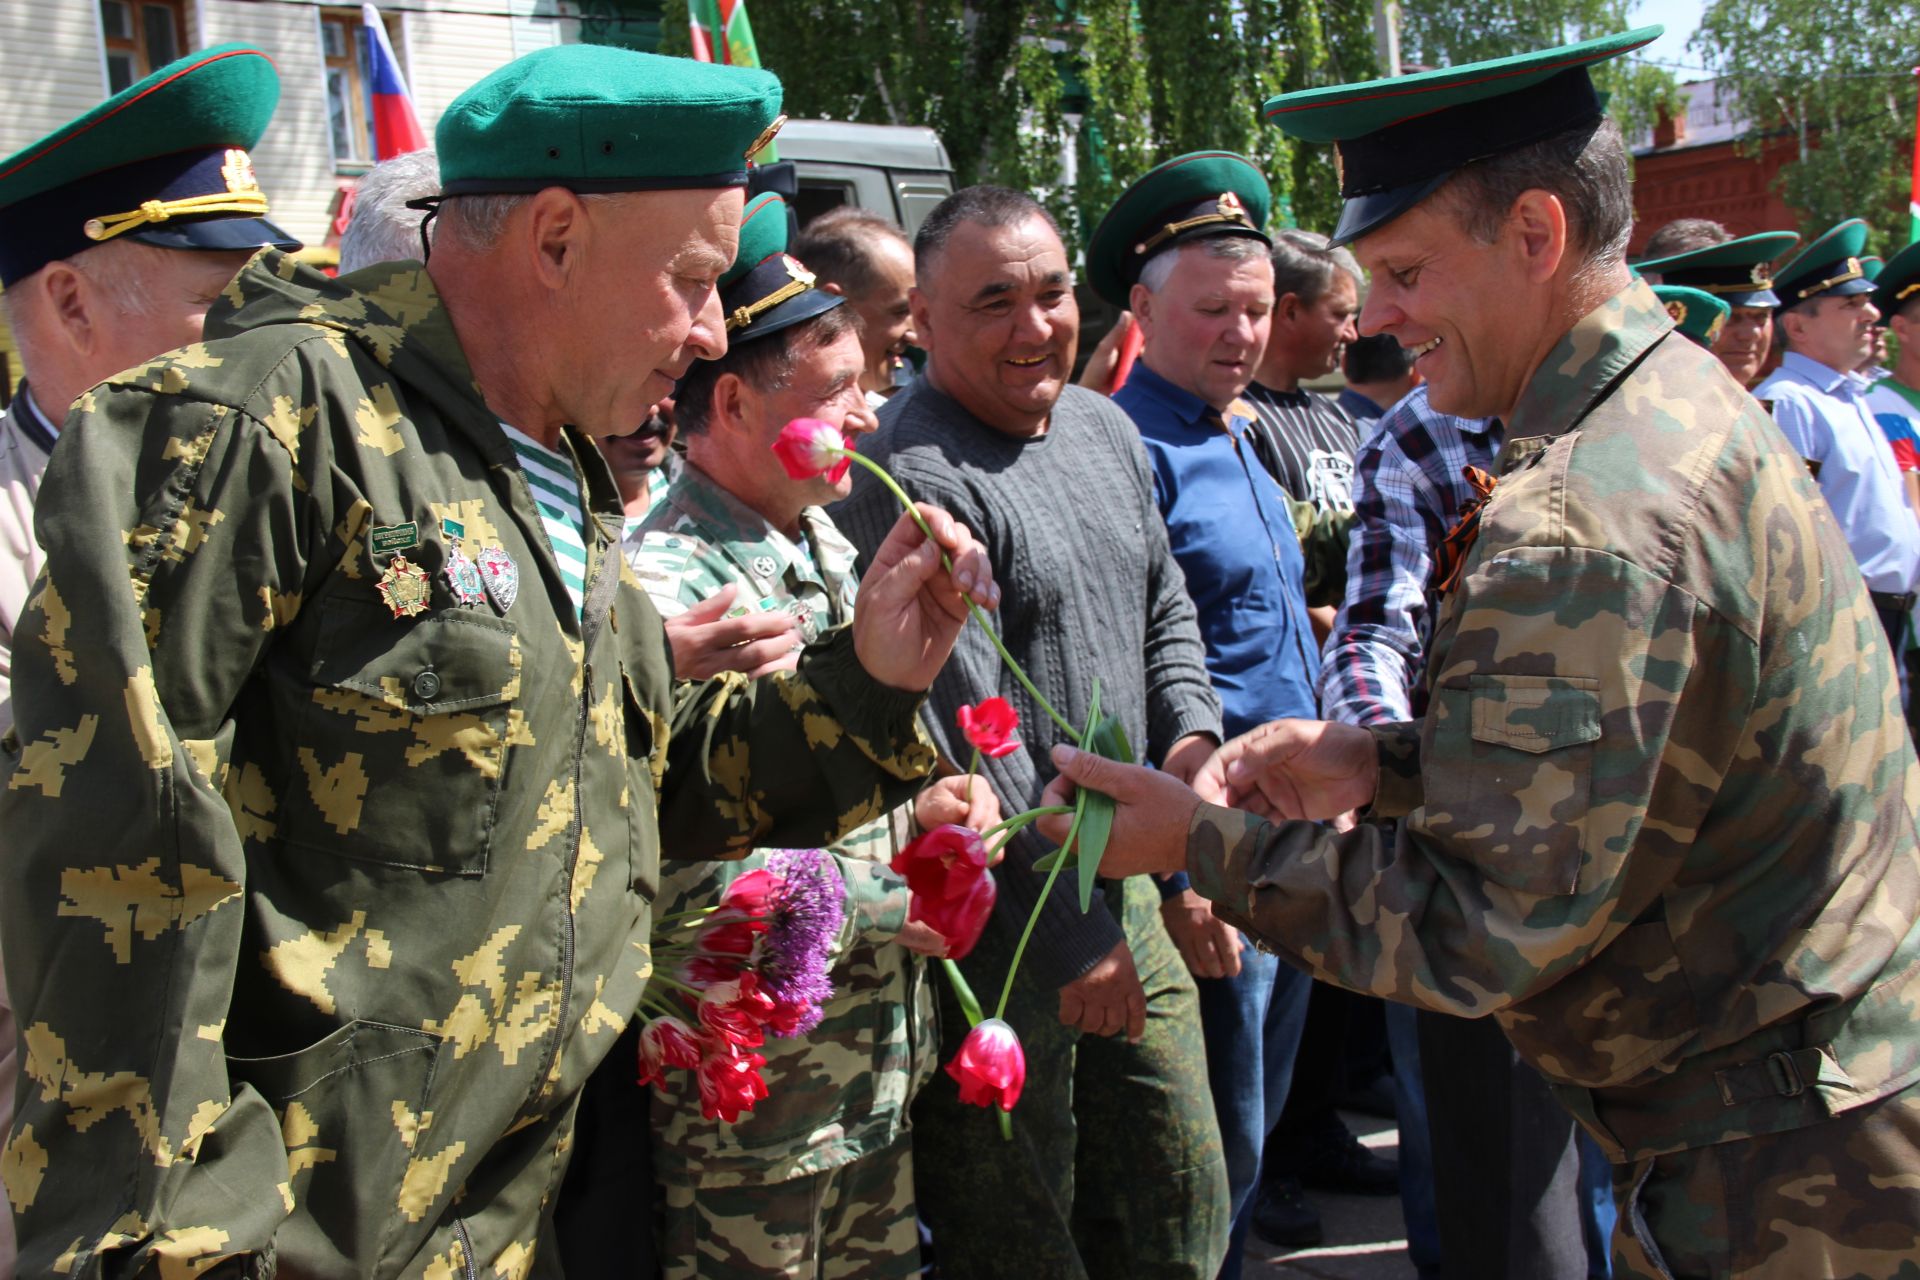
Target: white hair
382	228
1159	268
119	270
477	221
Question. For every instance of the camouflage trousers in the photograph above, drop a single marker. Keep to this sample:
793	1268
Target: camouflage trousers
853	1220
1839	1200
1115	1168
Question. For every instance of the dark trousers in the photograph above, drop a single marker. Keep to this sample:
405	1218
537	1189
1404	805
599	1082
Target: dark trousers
1506	1171
1115	1167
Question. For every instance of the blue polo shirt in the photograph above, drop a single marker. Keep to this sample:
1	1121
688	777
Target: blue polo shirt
1232	532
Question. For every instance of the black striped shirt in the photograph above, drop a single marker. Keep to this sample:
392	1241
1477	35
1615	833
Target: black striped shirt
1308	442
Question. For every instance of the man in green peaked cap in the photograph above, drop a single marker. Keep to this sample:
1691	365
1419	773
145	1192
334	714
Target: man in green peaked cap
1695	312
376	734
1700	254
1658	818
767	1196
117	230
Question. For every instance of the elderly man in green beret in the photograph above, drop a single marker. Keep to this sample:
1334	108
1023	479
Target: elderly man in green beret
347	743
1659	818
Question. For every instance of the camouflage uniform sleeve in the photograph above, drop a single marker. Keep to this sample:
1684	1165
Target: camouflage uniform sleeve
173	537
1323	547
1567	761
789	761
876	900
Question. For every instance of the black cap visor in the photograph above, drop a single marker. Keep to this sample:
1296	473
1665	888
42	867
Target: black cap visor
1370	212
215	234
784	315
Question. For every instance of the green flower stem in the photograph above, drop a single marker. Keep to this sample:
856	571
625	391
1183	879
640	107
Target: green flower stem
1033	917
969	1002
665	981
1020	820
979	615
973	767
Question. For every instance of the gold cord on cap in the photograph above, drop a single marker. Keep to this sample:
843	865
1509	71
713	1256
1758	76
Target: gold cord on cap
1853	272
243	195
1227	209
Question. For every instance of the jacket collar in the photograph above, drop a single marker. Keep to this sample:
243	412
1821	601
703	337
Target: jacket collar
1180	404
1588	361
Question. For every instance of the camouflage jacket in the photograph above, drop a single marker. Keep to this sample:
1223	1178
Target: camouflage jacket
319	916
842	1090
1660	815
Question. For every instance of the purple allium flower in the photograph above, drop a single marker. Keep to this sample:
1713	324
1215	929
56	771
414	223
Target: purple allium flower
804	916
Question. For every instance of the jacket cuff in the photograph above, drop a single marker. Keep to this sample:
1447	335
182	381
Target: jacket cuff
881	719
1219	843
1401	789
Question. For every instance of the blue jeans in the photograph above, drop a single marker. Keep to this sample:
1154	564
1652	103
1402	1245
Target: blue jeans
1416	1144
1596	1207
1252	1026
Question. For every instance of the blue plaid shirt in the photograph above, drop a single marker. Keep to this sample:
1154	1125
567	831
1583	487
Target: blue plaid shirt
1409	486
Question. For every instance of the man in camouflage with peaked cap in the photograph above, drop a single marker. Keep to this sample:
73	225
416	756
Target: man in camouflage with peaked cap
339	784
1659	818
823	1168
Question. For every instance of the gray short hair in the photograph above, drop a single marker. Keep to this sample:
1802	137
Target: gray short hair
1586	167
1159	268
1304	263
476	222
116	268
382	228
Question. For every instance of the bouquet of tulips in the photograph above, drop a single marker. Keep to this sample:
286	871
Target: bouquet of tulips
727	977
947	868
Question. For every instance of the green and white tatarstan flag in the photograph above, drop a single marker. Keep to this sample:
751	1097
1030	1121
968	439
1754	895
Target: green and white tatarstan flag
722	33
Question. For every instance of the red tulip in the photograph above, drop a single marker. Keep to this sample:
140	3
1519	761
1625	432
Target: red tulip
737	1010
989	727
991	1067
953	892
808	447
750	893
666	1042
730	1081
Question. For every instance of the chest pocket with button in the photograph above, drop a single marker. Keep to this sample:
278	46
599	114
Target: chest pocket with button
404	741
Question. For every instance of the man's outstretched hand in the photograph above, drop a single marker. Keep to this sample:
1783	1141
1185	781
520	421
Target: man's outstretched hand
1150	820
910	609
1294	769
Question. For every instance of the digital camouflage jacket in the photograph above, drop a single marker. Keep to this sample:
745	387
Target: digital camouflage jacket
1659	820
319	910
841	1091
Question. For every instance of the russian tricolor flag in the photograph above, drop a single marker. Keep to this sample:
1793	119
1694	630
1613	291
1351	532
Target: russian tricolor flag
396	129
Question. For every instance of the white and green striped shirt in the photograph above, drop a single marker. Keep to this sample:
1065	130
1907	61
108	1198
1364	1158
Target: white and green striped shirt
556	489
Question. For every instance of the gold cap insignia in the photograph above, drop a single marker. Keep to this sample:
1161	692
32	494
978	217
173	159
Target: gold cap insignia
1759	276
238	171
1339	170
796	270
1678	310
1231	208
759	144
1713	330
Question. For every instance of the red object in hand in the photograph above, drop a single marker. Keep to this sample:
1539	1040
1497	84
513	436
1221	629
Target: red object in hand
953	892
752	892
730	1081
664	1043
991	1067
737	1011
806	448
989	727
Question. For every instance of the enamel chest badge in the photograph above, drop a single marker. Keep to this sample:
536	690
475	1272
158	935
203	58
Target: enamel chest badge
405	588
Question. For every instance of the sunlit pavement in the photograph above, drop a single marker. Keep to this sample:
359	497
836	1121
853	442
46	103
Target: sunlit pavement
1366	1238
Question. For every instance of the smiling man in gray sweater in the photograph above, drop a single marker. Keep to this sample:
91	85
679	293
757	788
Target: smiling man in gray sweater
1115	1168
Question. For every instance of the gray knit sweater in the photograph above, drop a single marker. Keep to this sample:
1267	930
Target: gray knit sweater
1088	588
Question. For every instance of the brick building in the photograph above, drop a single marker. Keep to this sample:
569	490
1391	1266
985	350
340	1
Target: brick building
1689	166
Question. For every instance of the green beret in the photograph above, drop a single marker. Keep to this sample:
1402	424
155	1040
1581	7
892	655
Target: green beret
1190	197
1899	282
1830	265
593	118
163	161
1733	269
1397	140
767	289
1695	312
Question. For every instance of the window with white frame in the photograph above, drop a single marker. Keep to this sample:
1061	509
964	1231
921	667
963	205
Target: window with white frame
139	36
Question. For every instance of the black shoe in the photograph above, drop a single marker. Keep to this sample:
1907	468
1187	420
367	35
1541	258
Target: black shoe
1337	1162
1282	1216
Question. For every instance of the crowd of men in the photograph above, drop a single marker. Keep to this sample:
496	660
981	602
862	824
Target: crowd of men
385	653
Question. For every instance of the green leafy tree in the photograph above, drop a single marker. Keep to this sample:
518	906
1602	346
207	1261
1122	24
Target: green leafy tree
1839	81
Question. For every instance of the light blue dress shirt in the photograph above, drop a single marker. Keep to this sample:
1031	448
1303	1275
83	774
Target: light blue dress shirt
1825	415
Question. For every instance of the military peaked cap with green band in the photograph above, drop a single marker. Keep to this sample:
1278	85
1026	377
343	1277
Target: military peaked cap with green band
163	161
1899	282
1735	270
1696	313
1190	197
1829	265
1396	140
767	289
1871	267
593	118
